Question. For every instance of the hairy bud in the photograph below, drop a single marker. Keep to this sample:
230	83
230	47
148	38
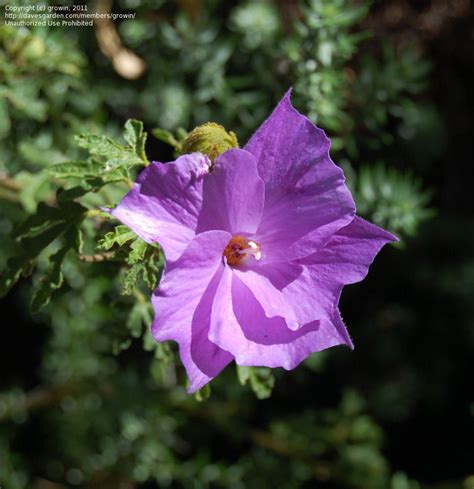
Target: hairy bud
210	139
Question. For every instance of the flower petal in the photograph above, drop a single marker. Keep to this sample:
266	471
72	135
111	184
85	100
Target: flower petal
349	253
182	304
299	223
165	201
239	325
306	199
270	298
233	194
344	260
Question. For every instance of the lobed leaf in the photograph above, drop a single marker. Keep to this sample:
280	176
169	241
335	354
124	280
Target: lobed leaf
86	169
260	378
23	262
35	234
117	155
90	185
119	236
136	138
49	282
47	216
100	145
53	279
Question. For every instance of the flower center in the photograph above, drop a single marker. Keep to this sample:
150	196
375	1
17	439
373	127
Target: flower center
238	248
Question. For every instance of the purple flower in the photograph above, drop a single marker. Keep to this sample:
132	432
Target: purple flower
258	250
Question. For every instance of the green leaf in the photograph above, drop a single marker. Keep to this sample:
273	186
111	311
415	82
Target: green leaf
47	216
132	278
243	374
100	145
141	315
110	160
163	351
146	263
5	123
154	266
261	380
145	260
115	154
203	394
120	345
119	236
135	320
50	282
73	237
29	249
91	185
163	366
72	240
75	169
86	169
138	250
136	138
167	137
39	231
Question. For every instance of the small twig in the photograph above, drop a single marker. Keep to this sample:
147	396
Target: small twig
46	484
98	257
9	188
9	184
9	195
39	398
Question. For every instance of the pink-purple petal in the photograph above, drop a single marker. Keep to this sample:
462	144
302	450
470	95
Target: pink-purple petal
240	326
183	302
349	253
233	195
280	303
286	146
344	260
306	198
273	302
165	201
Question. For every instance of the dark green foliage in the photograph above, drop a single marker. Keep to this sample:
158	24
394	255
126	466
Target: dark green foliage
92	400
392	199
167	137
261	380
34	235
42	80
72	238
49	223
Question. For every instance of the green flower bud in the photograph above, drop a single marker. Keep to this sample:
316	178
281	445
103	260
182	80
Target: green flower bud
210	139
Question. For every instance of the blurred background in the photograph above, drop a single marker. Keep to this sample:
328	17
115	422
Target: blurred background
88	400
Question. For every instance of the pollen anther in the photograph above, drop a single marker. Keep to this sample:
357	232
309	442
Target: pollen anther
238	248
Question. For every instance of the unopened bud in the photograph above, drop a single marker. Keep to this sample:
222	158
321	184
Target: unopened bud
210	139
